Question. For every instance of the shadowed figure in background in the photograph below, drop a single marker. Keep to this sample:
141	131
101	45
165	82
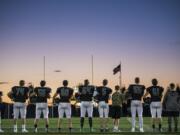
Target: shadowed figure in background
124	105
136	91
171	104
65	93
178	89
156	93
19	94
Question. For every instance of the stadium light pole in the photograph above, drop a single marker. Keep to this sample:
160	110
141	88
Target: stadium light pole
44	68
92	72
120	75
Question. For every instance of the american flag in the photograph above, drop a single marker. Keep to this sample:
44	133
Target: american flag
117	69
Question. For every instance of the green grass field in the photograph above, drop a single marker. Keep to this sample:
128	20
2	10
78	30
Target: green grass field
125	127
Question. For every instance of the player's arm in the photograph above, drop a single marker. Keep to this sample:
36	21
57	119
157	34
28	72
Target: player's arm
165	95
34	93
27	93
162	90
165	99
54	97
72	92
143	90
95	93
79	90
129	90
10	95
78	94
48	94
146	93
110	94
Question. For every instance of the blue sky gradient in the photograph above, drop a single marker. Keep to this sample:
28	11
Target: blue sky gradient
143	34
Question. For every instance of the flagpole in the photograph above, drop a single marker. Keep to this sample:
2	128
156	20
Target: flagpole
92	64
44	68
120	76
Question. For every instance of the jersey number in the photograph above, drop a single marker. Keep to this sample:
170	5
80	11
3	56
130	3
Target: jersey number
103	91
137	90
20	91
41	93
155	92
64	92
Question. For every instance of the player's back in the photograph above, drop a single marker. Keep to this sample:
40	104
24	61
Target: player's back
103	93
42	94
20	94
155	92
86	92
136	91
65	93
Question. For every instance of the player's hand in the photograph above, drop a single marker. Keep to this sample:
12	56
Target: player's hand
32	94
10	95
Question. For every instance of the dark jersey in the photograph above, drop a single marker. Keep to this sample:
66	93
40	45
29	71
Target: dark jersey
42	94
86	93
65	94
155	92
103	93
136	91
20	94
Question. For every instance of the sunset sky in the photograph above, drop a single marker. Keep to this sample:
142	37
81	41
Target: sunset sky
143	34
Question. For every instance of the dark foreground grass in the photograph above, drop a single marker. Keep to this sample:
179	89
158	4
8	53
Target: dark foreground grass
125	126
